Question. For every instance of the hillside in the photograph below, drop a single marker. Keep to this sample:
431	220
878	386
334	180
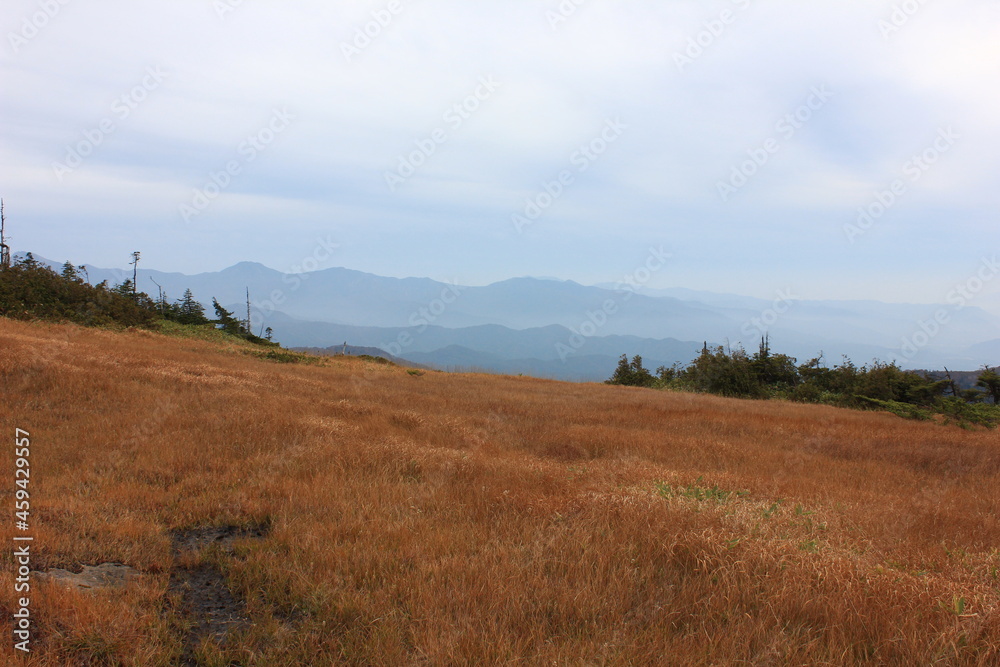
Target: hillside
354	351
351	512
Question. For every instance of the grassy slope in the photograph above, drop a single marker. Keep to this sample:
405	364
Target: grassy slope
458	519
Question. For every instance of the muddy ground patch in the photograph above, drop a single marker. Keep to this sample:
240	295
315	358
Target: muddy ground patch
198	587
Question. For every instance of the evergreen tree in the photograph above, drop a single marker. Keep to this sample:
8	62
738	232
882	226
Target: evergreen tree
31	290
777	371
125	289
990	381
189	310
29	262
69	272
632	374
228	320
716	371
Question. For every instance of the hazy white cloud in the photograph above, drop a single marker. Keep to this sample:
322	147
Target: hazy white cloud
701	86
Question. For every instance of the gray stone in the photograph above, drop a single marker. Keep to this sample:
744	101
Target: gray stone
104	576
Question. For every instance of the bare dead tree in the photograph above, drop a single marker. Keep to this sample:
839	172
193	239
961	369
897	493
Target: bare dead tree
162	300
135	270
4	248
951	382
249	330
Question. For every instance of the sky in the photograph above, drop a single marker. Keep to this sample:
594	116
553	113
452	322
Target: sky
840	149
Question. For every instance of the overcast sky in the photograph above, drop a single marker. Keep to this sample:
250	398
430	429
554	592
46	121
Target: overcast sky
740	136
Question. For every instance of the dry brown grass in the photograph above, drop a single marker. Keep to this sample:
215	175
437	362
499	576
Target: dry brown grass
462	519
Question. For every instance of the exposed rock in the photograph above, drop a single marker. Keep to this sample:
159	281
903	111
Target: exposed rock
104	576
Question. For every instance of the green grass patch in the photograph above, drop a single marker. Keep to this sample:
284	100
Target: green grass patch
968	415
376	360
697	492
904	410
209	333
206	332
282	356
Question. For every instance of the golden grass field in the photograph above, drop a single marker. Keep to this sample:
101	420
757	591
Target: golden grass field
443	519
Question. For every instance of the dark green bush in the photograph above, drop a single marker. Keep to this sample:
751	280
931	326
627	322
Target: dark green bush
880	386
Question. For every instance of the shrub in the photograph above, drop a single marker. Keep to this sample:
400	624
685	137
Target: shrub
29	290
632	374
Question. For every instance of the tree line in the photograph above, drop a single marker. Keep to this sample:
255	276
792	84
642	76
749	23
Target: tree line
765	375
32	290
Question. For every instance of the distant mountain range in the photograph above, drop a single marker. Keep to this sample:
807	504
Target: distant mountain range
564	330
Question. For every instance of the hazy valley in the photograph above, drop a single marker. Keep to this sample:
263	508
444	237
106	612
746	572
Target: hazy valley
563	330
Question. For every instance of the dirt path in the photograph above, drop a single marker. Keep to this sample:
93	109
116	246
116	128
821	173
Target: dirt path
205	600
